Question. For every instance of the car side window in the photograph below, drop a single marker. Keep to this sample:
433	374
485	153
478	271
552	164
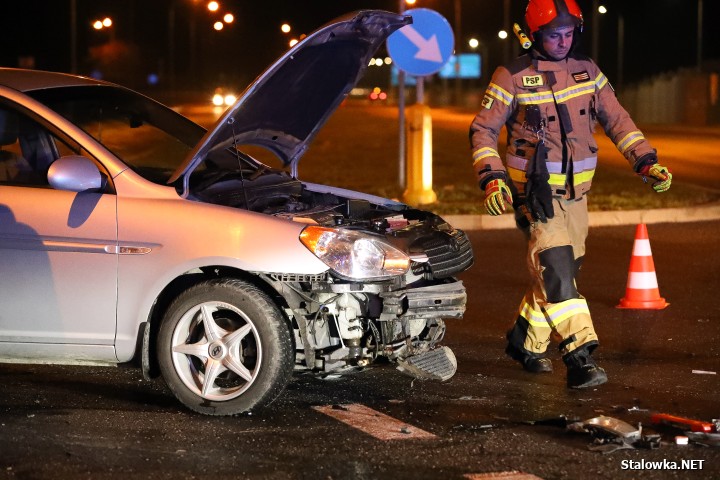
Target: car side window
27	149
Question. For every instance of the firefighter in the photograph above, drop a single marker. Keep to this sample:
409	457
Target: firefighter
550	100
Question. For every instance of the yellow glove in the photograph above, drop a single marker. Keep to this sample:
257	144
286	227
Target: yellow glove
661	176
497	193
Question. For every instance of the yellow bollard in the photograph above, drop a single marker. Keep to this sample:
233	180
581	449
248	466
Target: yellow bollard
419	156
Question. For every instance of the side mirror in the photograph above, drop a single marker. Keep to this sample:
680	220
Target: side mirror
75	173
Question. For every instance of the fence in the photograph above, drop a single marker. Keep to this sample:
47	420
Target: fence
686	97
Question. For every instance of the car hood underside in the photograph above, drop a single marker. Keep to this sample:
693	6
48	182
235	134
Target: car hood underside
285	107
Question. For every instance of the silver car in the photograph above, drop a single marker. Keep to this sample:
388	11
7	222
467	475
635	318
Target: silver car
129	235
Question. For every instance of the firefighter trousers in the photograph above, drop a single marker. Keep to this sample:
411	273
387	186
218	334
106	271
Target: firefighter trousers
552	304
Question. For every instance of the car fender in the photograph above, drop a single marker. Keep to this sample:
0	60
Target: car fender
160	239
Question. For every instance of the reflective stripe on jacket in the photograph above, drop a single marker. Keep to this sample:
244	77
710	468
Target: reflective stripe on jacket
573	91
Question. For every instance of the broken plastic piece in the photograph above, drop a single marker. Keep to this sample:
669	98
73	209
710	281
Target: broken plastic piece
437	364
684	424
612	426
709	439
650	442
611	434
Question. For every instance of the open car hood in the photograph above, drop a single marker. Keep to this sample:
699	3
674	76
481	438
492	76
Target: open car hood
289	102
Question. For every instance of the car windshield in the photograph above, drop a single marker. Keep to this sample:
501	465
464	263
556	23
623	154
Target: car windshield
150	138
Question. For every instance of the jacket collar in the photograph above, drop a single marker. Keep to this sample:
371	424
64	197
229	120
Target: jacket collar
543	64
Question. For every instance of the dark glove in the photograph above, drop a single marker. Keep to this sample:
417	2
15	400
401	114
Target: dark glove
539	201
538	195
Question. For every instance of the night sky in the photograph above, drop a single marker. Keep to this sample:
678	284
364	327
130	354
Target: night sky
660	35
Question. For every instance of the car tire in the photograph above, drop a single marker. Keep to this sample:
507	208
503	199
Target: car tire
239	361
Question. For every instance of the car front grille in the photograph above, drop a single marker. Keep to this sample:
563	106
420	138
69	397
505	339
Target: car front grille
448	253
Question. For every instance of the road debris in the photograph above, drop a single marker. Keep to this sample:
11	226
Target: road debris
474	427
682	423
561	421
611	434
706	439
704	372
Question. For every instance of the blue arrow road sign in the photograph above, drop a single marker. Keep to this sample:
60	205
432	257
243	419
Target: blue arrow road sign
423	47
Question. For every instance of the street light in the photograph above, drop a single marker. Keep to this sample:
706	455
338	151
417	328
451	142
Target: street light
105	24
285	28
194	14
595	29
602	10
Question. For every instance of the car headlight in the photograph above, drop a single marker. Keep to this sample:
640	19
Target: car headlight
354	255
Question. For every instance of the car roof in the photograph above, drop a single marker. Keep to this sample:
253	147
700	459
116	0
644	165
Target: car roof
28	80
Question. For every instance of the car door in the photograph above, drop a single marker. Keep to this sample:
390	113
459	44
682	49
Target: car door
58	261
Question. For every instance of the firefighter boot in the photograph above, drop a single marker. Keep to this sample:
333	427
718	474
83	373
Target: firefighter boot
531	363
582	371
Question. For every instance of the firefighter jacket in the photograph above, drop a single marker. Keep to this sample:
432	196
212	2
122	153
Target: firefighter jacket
559	102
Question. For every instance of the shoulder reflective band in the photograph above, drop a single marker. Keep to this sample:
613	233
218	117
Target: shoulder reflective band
500	93
601	81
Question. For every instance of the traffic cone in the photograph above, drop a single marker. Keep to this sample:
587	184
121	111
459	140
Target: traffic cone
642	288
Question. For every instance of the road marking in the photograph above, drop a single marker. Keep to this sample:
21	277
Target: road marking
372	422
513	475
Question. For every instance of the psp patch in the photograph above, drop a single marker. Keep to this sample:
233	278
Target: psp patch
487	102
533	81
583	76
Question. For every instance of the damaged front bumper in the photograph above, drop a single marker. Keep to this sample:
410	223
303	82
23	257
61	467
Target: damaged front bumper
443	301
353	324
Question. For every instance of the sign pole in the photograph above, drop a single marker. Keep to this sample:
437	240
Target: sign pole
401	120
419	49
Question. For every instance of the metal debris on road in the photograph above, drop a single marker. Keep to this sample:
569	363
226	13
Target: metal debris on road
611	434
706	439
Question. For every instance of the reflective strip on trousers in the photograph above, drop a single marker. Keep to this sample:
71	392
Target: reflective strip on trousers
556	312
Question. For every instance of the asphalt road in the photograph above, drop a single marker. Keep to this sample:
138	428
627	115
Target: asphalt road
90	422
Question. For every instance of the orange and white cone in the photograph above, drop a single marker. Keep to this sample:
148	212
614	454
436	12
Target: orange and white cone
642	290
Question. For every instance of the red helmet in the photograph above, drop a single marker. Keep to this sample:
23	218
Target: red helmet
546	14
